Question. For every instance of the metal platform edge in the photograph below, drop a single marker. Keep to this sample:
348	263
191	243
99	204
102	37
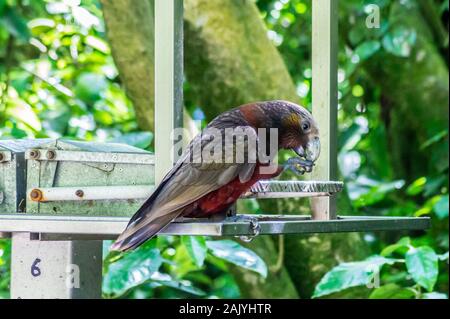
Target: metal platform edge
95	228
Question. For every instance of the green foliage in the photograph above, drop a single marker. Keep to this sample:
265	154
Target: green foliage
417	269
236	254
5	255
352	274
174	266
58	79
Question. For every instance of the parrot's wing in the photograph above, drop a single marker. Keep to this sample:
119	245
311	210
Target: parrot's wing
189	180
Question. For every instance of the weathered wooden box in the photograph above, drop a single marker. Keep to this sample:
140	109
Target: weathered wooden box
87	179
13	174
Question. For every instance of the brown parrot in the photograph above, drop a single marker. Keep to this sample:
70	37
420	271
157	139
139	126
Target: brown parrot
201	188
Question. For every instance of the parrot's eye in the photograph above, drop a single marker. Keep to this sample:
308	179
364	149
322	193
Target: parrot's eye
306	126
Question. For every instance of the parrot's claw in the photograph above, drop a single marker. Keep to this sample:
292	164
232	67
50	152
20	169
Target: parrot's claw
255	227
299	165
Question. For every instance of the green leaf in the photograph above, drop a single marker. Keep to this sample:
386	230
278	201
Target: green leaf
443	257
367	49
400	41
2	7
98	44
136	139
89	86
350	274
23	112
165	280
417	186
15	24
132	269
441	207
434	139
404	242
196	247
434	295
234	253
422	265
392	291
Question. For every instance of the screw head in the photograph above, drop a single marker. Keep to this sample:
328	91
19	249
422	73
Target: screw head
36	195
79	193
51	154
35	154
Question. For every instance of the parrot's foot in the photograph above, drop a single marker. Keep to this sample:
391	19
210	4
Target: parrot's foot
255	228
299	165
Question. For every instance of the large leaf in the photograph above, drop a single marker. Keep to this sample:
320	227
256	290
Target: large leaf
403	243
236	254
196	247
133	269
422	265
392	291
350	274
165	280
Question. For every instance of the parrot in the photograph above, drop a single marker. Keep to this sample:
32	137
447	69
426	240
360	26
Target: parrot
197	188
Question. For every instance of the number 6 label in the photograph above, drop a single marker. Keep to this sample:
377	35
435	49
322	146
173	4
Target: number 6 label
35	270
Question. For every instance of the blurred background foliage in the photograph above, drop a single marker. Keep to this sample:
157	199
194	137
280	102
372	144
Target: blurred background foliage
58	79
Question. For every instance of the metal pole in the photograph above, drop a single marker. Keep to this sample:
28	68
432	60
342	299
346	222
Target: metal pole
55	270
168	81
324	97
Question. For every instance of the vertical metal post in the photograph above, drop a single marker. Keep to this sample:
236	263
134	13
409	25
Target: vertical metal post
55	269
324	97
168	81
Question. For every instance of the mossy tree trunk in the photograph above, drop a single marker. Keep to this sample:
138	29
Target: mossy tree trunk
413	112
131	35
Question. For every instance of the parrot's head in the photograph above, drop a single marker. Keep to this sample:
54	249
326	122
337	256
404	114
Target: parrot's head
297	129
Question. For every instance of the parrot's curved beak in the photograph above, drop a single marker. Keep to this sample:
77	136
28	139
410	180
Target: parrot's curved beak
311	151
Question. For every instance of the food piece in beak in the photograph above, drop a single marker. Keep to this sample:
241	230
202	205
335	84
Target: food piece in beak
311	152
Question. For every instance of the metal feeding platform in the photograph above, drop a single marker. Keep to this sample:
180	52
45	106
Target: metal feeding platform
45	228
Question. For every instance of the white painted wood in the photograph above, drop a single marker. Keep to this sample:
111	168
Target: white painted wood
168	81
324	97
55	270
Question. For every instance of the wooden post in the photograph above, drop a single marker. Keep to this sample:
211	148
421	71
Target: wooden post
324	97
168	81
55	269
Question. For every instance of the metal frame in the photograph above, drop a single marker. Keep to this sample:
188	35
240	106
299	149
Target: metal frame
324	98
76	228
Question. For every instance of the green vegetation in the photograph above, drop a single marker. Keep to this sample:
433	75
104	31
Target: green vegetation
63	75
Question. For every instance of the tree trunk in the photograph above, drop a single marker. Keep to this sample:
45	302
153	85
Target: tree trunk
130	32
413	112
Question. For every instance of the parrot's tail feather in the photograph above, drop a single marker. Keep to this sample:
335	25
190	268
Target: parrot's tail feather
134	236
148	204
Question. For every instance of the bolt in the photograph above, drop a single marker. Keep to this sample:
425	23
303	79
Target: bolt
79	193
36	195
35	154
51	155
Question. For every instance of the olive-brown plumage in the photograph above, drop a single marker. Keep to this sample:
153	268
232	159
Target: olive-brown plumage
196	187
